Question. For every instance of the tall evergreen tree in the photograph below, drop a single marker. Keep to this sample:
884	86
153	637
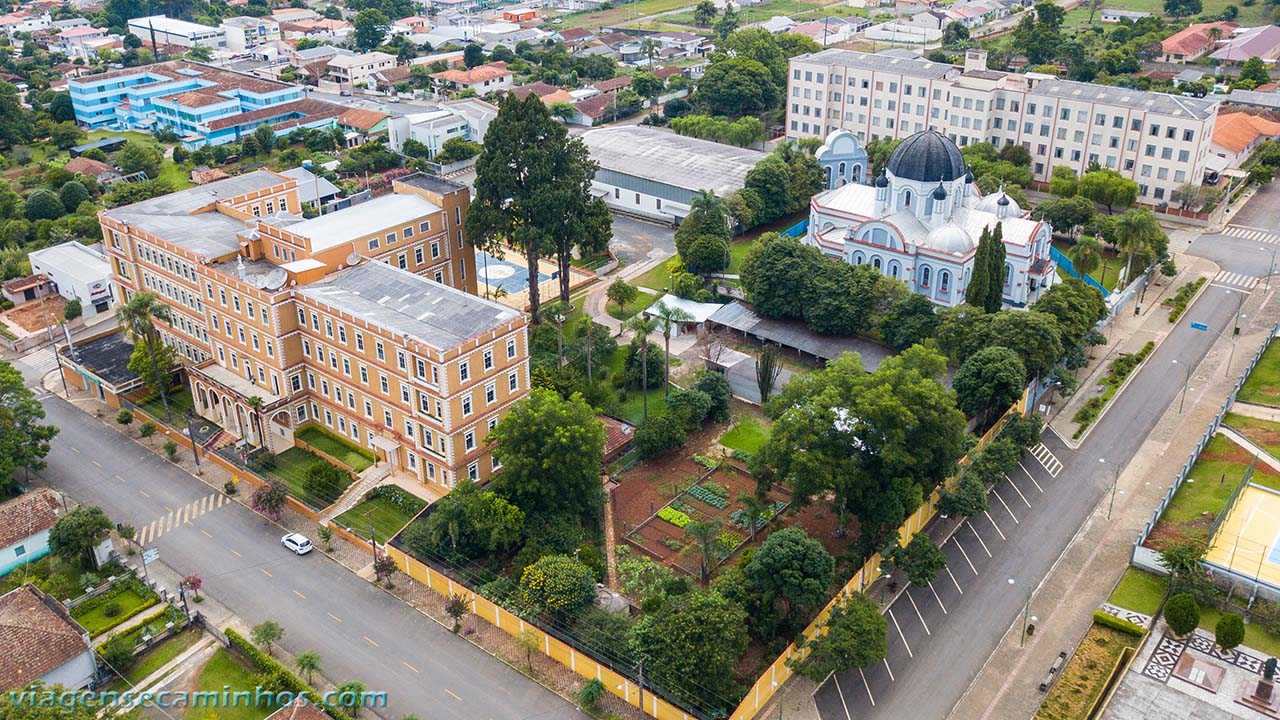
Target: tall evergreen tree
996	256
980	280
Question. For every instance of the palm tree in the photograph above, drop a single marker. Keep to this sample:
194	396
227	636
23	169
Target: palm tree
308	662
1086	255
642	325
705	201
137	318
1137	232
669	318
754	507
706	538
255	404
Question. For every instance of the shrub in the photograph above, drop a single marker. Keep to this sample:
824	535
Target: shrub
662	433
117	653
1179	301
1116	623
112	610
590	694
280	676
1182	613
325	482
1229	632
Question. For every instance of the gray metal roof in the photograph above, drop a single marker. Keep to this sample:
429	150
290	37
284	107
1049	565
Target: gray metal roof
402	302
309	184
1173	105
914	67
1254	98
208	234
665	157
793	334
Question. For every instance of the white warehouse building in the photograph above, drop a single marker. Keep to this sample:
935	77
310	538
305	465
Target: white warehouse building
77	273
165	30
655	173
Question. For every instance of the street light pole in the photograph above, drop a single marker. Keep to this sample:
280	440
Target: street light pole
1185	383
1026	612
195	446
1115	481
1271	269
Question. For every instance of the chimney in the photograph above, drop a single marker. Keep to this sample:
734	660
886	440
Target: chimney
975	59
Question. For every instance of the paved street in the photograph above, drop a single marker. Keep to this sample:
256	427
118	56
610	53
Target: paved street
360	631
939	637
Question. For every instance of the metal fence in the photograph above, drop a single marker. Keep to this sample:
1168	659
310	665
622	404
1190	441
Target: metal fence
1145	558
1065	263
796	230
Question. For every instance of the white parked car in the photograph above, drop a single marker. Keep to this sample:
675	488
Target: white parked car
296	543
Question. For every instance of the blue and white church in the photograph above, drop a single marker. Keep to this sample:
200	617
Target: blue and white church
920	220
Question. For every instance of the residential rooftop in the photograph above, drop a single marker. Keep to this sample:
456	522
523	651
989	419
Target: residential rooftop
28	514
78	261
914	67
38	636
666	157
388	297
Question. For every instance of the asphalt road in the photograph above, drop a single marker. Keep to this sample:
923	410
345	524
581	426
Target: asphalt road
939	637
360	632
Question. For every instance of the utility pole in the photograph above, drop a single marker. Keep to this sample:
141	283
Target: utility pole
195	445
373	543
640	685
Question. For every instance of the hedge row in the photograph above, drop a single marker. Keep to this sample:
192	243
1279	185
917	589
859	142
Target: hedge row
1116	623
280	674
1179	301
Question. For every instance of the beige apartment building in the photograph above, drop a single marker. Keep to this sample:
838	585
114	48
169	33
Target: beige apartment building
364	320
1160	141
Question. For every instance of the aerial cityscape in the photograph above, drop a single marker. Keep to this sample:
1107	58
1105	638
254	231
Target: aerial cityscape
680	359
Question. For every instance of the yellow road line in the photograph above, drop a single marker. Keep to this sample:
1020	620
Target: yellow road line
370	640
233	552
295	592
409	666
335	617
264	572
453	695
206	534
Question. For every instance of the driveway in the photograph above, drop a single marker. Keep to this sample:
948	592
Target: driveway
635	241
361	632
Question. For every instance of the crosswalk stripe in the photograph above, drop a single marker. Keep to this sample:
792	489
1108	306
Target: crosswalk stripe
41	360
1235	279
1251	234
182	516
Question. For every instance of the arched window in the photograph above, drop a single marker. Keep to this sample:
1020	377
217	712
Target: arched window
842	169
875	263
894	269
858	258
857	173
928	205
944	281
924	276
1008	273
826	176
906	198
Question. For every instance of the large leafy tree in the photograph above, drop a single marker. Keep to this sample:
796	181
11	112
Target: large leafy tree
371	27
557	584
856	636
24	440
989	381
1108	187
1032	334
1140	237
772	271
793	569
876	442
470	522
771	180
532	190
551	451
692	645
1076	307
1066	215
737	86
73	537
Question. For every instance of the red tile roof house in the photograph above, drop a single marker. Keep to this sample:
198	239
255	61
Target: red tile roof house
96	169
1193	42
592	109
42	642
618	437
25	522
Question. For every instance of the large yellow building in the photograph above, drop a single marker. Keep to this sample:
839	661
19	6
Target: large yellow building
364	320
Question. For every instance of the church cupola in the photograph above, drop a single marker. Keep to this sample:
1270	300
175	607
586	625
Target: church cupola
882	193
939	204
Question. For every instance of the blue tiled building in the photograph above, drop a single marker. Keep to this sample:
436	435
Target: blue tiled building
204	105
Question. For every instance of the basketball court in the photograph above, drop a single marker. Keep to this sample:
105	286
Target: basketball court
1247	540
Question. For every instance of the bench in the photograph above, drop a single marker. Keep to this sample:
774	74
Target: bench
1053	671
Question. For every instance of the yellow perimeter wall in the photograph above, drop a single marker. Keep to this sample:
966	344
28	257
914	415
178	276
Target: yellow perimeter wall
765	686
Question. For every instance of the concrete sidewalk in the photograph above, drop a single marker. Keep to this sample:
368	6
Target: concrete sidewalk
1083	577
1127	333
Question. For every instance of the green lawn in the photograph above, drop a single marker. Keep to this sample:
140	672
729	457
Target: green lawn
758	13
619	15
1263	384
632	409
1106	274
657	278
1256	15
737	253
747	435
1255	636
61	580
130	135
291	469
338	448
388	519
626	312
128	601
160	655
177	175
1210	483
1139	591
179	403
225	669
1266	433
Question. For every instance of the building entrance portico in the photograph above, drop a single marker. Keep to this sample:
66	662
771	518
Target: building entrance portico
242	409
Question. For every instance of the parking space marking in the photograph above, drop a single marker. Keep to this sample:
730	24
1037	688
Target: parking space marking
939	599
994	525
888	670
841	693
868	687
980	542
1032	477
1006	505
1046	457
143	493
918	613
75	450
119	478
966	559
1015	489
206	533
900	633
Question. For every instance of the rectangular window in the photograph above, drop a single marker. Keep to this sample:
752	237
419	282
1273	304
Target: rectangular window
380	351
386	418
490	394
391	238
359	341
419	259
382	383
488	360
513	382
364	375
466	406
368	409
469	440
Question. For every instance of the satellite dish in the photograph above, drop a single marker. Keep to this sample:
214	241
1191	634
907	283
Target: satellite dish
257	280
353	258
276	279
